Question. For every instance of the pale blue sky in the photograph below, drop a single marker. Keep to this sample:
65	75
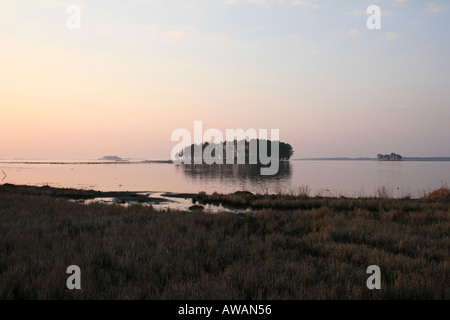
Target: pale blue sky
139	69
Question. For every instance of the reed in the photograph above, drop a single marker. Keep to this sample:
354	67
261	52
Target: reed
319	249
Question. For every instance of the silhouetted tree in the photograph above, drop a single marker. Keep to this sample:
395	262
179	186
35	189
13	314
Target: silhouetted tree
286	151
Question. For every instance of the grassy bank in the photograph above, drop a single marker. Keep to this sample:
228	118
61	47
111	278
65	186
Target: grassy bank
318	251
435	201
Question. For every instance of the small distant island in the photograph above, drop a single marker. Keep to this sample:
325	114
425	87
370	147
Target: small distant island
111	158
389	157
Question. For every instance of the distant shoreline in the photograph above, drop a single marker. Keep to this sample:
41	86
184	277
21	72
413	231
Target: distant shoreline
82	161
75	162
375	159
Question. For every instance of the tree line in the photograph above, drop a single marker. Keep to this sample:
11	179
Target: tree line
248	150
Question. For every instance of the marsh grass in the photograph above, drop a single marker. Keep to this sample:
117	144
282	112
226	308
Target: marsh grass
318	250
443	193
436	200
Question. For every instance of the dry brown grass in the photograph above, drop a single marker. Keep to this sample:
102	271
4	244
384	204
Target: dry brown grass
318	252
442	193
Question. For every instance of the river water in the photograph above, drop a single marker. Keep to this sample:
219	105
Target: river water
326	178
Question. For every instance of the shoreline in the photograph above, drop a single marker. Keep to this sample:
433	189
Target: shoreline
81	194
234	202
124	161
407	159
83	162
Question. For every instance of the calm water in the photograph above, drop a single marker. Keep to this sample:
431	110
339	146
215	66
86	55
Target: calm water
328	178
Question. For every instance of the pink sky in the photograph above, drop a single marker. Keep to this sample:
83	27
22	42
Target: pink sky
132	74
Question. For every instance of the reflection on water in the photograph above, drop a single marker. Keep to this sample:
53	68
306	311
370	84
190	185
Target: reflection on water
246	176
167	203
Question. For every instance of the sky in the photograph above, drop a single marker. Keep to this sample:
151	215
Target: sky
137	70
